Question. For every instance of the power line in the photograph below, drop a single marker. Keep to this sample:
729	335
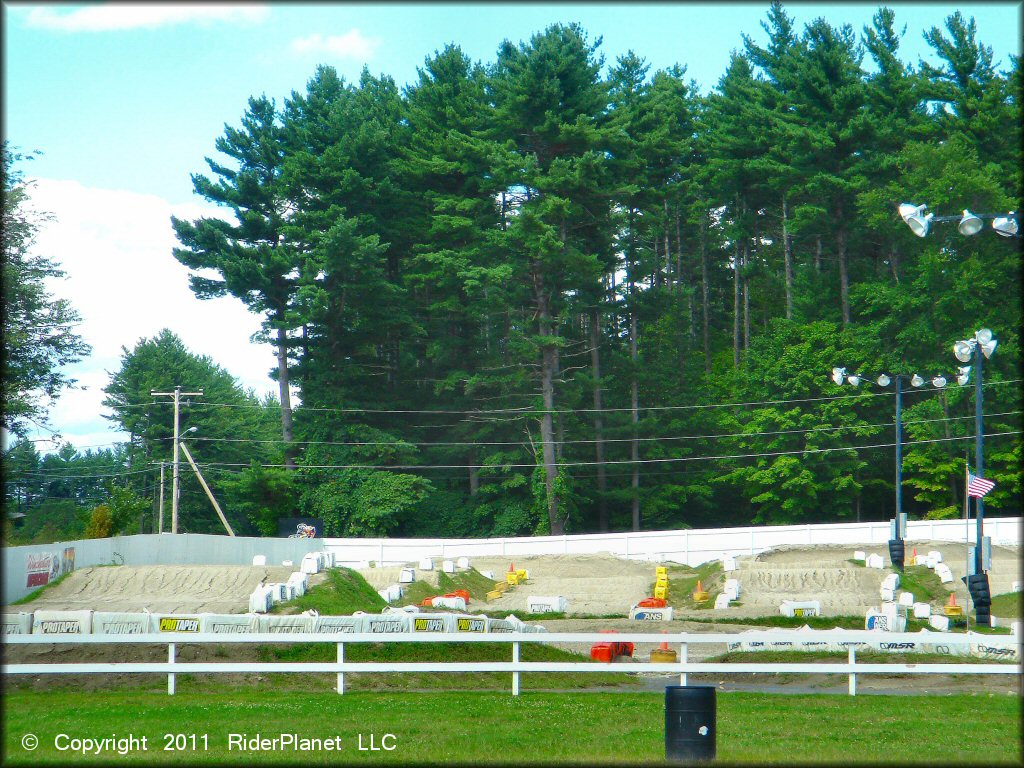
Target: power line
402	443
803	452
522	411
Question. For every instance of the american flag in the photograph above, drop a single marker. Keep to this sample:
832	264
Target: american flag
978	486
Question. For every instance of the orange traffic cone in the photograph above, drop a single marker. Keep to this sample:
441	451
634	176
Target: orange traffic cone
511	567
952	599
664	643
913	557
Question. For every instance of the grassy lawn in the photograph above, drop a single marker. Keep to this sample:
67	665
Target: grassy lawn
492	728
1008	606
344	592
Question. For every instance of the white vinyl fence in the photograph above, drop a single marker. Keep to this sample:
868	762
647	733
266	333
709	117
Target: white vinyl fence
689	547
851	640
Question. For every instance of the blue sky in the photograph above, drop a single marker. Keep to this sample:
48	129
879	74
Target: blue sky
125	101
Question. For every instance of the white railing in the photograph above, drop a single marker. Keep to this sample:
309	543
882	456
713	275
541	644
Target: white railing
682	667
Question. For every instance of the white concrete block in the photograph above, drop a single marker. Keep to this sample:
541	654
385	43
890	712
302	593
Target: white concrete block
874	561
888	593
406	576
1015	586
287	563
463	563
860	555
922	610
940	623
906	599
448	566
800	608
722	601
729	564
732	589
487	575
945	576
310	563
935	555
259	559
892	581
426	564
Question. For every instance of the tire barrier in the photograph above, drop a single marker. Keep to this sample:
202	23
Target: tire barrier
897	552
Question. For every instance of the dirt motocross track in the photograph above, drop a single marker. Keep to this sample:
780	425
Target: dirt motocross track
594	585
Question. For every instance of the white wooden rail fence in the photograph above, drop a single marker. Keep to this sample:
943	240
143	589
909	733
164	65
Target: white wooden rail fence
682	667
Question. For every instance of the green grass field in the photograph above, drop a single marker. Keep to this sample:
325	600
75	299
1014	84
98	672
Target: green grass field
493	729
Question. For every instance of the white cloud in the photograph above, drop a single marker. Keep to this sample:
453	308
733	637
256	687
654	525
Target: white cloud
121	16
122	279
351	45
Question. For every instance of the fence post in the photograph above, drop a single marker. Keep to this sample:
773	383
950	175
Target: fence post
853	675
515	675
682	660
170	675
341	675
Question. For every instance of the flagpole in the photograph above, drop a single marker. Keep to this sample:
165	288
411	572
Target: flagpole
967	538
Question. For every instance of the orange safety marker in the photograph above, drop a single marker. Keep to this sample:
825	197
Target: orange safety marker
664	643
952	599
511	567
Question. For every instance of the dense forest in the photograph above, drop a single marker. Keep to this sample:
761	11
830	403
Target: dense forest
554	294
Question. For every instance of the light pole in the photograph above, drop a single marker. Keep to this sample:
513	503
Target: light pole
914	216
839	376
964	350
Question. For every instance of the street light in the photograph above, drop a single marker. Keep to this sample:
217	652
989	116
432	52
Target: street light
839	375
968	223
964	350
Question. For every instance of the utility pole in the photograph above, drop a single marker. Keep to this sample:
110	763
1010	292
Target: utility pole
160	524
176	394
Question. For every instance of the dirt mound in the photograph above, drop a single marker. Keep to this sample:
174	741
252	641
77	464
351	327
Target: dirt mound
159	588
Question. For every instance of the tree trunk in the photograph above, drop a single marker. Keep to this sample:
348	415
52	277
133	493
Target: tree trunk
474	473
549	363
787	257
894	262
736	304
705	295
746	300
286	399
595	364
844	280
634	391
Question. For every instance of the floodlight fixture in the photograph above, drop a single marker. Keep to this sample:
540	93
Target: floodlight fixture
970	224
916	380
854	379
838	374
1005	225
964	349
915	218
964	374
939	381
883	380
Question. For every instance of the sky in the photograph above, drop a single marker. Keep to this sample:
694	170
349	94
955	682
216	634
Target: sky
125	101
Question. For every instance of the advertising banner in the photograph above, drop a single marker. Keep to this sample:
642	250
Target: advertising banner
175	623
229	624
471	623
112	623
388	623
286	624
345	625
16	623
433	622
62	623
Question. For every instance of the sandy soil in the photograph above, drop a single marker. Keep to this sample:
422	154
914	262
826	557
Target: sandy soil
159	588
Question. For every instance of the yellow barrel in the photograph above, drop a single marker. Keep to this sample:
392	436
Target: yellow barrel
664	654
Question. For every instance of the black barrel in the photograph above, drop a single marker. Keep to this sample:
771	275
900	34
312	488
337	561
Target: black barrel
897	552
690	722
